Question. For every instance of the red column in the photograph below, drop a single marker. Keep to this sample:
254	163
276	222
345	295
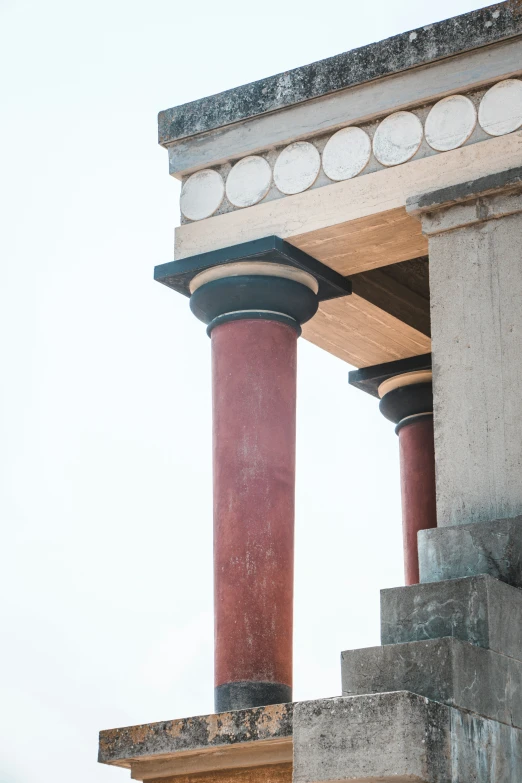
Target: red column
254	400
417	462
407	400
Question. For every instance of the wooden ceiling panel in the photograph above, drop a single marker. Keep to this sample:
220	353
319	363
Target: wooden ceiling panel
365	243
362	334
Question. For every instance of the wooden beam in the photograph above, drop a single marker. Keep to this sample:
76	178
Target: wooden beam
193	764
401	290
274	773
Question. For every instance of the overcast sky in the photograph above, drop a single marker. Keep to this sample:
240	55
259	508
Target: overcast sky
105	474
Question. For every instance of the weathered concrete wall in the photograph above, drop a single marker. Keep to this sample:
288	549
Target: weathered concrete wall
476	321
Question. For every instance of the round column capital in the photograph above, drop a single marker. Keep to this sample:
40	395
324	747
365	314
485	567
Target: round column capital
254	290
407	398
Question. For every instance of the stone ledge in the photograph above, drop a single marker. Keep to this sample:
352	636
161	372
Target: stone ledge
479	609
401	738
204	734
447	670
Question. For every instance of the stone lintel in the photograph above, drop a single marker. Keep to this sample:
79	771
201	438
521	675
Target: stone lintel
486	198
447	670
253	737
479	609
456	551
399	53
401	738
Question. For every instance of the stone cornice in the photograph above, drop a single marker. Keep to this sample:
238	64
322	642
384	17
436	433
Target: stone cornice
402	52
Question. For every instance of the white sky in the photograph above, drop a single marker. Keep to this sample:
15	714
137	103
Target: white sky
105	466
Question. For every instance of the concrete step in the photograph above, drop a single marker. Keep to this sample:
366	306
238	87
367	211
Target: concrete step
401	738
480	610
446	670
455	551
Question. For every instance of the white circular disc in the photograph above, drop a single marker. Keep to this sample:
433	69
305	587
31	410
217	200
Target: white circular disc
500	109
346	153
297	167
450	123
397	138
249	181
202	194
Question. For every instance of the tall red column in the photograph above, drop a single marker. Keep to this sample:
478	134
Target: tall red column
254	311
254	400
407	400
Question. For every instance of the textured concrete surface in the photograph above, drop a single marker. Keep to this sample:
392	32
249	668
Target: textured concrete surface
388	737
401	52
401	738
480	610
476	322
493	548
446	670
194	734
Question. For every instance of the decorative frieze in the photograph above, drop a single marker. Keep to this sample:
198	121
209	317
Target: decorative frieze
352	151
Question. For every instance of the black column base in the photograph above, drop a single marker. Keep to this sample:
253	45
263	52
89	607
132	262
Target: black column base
244	695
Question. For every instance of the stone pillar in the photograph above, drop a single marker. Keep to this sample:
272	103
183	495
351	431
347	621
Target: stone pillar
254	311
475	251
407	400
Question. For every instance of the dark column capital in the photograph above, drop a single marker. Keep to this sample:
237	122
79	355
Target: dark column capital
265	279
252	290
407	398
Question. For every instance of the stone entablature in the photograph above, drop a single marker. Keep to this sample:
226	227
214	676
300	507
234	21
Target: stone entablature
352	151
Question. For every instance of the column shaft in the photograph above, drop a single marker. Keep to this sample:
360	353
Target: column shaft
254	398
417	463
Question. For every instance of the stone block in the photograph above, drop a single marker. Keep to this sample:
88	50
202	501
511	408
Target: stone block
478	609
447	670
401	738
456	551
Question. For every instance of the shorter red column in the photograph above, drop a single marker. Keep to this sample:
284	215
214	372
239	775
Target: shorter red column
417	461
407	400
